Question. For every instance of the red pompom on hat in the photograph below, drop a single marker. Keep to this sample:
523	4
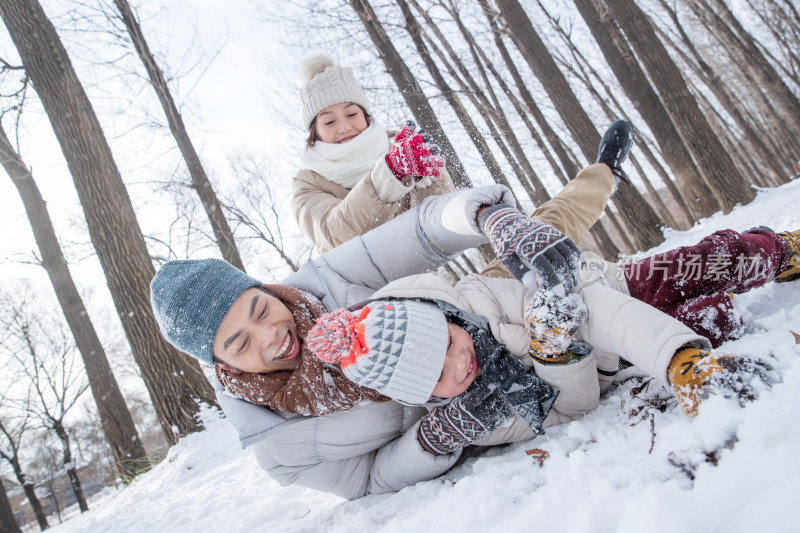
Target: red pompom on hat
338	336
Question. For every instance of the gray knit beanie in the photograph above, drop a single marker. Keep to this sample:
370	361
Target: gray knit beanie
191	297
326	84
396	347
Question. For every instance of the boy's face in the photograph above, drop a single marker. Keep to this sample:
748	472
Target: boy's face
460	364
258	334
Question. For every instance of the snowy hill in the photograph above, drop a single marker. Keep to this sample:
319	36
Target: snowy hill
627	466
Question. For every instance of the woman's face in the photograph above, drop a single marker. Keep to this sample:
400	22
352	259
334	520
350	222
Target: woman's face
460	364
258	335
340	123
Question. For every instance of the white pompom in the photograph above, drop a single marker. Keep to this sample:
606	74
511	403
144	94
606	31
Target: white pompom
313	64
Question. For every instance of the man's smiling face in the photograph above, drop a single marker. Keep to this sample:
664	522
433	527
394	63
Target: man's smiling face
258	334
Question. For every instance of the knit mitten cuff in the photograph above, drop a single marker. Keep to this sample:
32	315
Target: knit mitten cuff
388	188
483	219
497	223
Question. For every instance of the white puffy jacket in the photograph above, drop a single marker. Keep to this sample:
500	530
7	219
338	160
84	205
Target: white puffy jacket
371	448
618	325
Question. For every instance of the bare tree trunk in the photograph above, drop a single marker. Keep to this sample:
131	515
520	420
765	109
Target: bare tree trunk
642	222
690	179
503	133
414	97
117	422
765	153
50	484
692	125
8	524
729	27
760	92
28	487
746	157
571	167
584	71
463	116
200	181
687	218
490	110
752	162
410	89
69	466
544	67
175	382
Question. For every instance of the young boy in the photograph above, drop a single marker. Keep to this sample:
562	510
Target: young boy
425	341
425	352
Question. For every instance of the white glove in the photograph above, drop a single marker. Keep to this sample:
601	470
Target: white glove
460	213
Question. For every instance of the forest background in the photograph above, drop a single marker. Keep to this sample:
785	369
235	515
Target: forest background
514	92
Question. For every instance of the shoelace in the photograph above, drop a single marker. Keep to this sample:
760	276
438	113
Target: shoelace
610	153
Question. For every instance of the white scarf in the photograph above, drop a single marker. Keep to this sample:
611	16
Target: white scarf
345	164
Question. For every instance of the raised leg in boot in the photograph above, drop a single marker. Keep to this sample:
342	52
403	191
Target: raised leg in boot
694	283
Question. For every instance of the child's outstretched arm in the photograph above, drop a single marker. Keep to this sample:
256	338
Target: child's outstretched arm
525	247
529	247
474	414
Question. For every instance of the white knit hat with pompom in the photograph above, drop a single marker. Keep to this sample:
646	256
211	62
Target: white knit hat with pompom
326	84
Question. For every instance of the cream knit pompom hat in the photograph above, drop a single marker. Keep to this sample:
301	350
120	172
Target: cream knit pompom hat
326	84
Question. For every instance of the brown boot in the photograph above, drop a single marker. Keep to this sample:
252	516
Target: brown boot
696	373
792	272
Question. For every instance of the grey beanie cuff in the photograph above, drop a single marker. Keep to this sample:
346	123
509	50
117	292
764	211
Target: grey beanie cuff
191	297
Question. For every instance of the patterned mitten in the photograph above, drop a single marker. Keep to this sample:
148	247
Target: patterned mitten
412	154
551	321
525	246
529	395
472	415
696	373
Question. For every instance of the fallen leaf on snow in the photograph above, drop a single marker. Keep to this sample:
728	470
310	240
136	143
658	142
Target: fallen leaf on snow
538	454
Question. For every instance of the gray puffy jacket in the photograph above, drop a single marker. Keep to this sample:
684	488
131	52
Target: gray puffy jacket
372	448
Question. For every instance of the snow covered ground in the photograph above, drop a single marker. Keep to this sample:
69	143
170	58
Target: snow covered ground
625	467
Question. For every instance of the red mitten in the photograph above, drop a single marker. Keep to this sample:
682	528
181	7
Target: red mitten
412	154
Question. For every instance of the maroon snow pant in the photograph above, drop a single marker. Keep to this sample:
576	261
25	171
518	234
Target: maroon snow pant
694	283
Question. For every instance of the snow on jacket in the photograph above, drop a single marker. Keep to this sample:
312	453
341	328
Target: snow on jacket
618	325
371	448
331	214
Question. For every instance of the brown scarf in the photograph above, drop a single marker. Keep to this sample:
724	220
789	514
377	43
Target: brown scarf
314	387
